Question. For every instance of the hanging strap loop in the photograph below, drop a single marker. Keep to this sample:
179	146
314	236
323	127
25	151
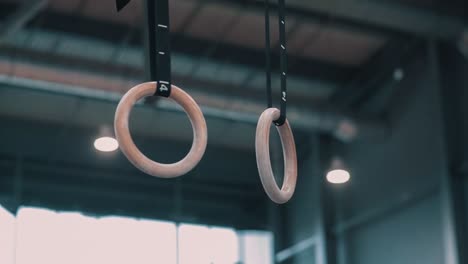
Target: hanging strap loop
162	46
283	62
283	59
268	54
159	43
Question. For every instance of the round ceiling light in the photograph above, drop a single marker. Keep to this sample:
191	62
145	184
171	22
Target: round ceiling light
338	176
338	173
106	144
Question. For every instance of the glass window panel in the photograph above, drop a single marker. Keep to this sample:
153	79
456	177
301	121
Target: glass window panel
48	237
257	247
44	236
7	231
194	244
224	246
205	245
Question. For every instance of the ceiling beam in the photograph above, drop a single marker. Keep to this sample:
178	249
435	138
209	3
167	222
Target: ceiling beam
183	44
389	15
304	95
93	55
309	15
27	11
367	16
344	127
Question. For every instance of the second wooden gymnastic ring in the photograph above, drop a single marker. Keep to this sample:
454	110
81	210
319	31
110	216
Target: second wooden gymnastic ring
134	155
262	149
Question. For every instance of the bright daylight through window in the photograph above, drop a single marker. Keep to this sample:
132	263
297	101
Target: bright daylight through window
44	236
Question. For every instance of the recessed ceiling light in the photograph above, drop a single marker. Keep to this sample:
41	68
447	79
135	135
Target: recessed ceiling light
106	144
338	176
338	173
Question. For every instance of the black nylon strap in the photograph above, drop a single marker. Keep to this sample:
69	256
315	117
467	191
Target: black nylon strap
267	54
283	59
159	43
160	27
283	62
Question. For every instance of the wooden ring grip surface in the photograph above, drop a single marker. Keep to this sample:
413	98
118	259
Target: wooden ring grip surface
138	159
262	149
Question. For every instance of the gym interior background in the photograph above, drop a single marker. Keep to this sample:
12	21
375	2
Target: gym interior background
378	85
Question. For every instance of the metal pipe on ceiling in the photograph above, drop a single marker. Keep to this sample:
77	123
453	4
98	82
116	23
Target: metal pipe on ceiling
94	58
62	79
343	127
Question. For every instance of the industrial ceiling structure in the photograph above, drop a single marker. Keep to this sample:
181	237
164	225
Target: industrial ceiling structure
65	64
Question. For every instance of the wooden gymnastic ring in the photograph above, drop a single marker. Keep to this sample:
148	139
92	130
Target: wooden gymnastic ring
262	149
138	159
